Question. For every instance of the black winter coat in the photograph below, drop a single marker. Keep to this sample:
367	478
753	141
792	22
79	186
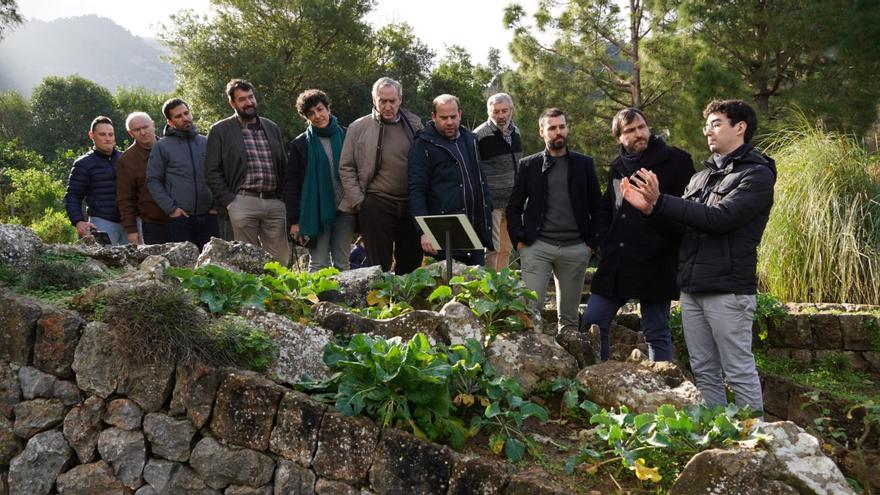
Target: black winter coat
436	179
528	202
639	257
724	212
93	178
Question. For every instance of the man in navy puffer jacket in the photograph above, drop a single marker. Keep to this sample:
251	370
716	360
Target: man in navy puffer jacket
93	178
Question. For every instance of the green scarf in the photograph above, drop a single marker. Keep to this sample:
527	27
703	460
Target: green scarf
317	204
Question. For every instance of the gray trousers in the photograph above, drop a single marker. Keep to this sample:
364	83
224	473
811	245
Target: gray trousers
718	333
567	264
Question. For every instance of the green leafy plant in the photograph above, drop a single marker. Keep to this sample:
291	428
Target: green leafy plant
54	228
499	299
223	291
243	343
656	446
572	391
768	309
292	293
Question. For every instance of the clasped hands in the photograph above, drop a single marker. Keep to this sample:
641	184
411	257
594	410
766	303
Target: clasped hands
642	189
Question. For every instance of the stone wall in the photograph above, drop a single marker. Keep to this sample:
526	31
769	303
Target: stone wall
76	419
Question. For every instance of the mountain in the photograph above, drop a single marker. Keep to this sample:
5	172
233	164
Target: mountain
93	47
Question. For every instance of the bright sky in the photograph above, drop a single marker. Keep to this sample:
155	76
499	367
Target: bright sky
474	24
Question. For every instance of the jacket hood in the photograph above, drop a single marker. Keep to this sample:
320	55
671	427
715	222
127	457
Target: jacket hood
171	131
431	135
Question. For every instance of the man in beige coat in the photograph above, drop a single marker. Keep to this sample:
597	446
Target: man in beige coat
373	171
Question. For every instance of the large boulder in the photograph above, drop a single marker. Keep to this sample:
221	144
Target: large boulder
530	358
18	319
295	435
345	448
245	410
479	475
10	445
55	341
147	384
19	246
195	388
343	322
82	425
10	388
791	462
406	464
623	341
300	347
179	254
169	438
641	388
34	416
462	323
170	478
89	479
293	478
151	272
96	360
222	466
33	472
236	256
126	451
124	414
354	285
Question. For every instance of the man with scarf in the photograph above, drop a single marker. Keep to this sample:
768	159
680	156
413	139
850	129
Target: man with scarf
176	178
638	258
313	190
373	171
445	176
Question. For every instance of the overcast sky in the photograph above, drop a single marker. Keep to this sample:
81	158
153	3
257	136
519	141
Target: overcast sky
474	24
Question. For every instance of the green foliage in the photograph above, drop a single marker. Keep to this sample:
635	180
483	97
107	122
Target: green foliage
572	391
139	99
15	115
54	228
223	291
57	272
293	293
768	309
9	16
243	344
395	295
458	75
499	299
655	447
63	108
822	242
34	195
431	393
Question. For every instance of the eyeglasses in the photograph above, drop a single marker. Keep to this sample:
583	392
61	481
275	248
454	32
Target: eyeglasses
141	129
714	125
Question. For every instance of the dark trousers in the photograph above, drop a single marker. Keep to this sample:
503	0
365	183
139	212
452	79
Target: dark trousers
155	233
197	229
655	324
389	233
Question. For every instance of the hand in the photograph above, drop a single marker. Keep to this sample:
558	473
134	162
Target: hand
84	228
213	211
634	197
178	212
134	239
426	245
646	182
294	231
520	246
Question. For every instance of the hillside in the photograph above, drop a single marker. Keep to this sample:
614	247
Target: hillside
94	47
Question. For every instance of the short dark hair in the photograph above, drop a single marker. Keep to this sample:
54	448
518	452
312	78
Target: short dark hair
624	117
100	119
737	111
309	99
550	112
171	104
237	85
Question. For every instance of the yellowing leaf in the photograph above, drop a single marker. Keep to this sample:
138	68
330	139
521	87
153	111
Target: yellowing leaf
589	468
644	472
313	298
373	299
484	401
466	399
748	425
497	445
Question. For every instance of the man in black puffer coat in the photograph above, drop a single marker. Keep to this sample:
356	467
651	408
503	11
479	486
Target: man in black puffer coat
639	257
724	209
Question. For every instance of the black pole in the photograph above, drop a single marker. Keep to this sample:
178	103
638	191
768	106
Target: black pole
448	257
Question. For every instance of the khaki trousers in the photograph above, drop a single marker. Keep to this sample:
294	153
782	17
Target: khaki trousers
500	258
261	222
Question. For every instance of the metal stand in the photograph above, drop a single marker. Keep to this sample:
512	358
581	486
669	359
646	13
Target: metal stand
448	257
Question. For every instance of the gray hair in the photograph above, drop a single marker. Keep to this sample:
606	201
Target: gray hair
444	99
134	115
497	98
387	81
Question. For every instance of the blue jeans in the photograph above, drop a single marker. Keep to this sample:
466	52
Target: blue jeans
335	244
655	324
197	229
117	233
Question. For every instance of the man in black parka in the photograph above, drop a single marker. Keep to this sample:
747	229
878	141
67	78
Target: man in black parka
638	257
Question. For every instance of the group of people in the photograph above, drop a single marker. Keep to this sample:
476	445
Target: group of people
662	232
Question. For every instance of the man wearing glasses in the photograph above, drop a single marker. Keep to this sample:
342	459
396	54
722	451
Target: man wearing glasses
724	210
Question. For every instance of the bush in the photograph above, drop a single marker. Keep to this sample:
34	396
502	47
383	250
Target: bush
54	228
822	243
56	273
33	193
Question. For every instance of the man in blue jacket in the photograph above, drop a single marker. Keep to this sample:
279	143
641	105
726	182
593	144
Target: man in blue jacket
445	176
724	210
550	217
93	178
176	178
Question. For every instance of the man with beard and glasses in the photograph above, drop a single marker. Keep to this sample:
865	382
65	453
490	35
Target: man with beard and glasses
638	258
245	170
550	217
176	178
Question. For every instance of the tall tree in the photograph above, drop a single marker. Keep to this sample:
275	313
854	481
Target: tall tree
9	15
458	75
63	108
282	47
398	53
140	99
15	115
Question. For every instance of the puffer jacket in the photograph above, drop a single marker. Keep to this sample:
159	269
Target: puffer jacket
724	211
360	151
93	178
437	179
176	172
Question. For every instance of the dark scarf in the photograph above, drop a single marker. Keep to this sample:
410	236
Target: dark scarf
317	205
630	161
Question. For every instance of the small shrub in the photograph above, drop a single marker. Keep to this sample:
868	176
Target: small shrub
244	344
54	228
292	293
56	273
499	299
222	290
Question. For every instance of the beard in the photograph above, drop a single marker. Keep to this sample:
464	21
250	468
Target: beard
247	113
558	143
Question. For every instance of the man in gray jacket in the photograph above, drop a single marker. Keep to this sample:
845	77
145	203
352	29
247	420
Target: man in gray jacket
176	178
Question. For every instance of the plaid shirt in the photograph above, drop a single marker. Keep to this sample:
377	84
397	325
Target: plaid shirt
260	175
